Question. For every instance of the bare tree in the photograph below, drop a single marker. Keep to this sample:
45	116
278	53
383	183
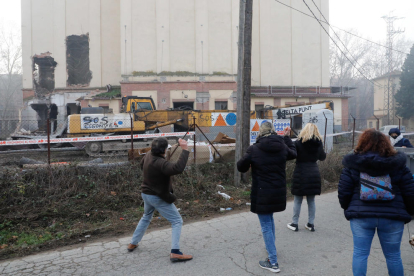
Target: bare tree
361	56
344	61
10	79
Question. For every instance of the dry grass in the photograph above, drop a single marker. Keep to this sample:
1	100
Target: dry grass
45	208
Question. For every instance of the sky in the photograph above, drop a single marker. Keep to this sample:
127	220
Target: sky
365	16
361	15
10	13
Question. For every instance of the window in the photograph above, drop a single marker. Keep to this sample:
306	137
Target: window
142	105
370	124
105	108
258	107
221	106
259	110
183	105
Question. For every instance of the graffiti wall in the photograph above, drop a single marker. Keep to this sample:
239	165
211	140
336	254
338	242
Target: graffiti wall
279	124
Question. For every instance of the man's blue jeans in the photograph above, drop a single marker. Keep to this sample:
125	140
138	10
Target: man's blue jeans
268	230
389	232
168	211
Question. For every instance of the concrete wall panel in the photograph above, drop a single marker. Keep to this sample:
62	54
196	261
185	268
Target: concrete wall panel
110	42
144	37
182	35
220	55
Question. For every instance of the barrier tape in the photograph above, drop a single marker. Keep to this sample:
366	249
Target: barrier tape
122	137
89	139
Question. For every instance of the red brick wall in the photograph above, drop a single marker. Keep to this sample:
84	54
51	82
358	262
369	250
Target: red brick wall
28	93
84	103
165	88
203	106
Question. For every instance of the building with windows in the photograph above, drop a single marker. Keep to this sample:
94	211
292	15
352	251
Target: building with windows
380	117
179	52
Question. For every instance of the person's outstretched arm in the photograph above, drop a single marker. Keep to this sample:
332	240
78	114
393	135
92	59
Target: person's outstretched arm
292	154
169	168
407	143
321	153
244	163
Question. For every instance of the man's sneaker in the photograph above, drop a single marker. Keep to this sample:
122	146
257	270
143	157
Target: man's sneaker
131	247
310	227
271	267
293	227
180	257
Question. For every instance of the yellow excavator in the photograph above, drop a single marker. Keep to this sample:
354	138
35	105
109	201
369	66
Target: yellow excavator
141	113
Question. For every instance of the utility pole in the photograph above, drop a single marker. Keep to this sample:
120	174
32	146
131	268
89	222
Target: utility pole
389	93
243	84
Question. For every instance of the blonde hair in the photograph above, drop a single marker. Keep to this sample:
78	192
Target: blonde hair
308	132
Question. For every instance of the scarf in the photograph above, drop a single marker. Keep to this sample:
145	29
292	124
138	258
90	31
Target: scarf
264	135
396	140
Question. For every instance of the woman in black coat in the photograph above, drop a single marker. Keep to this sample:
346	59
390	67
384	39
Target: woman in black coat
306	177
267	158
376	190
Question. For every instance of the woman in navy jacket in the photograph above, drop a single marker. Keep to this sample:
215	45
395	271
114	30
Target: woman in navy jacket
374	156
398	140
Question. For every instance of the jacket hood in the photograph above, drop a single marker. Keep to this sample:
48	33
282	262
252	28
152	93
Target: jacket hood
374	164
272	143
394	130
311	145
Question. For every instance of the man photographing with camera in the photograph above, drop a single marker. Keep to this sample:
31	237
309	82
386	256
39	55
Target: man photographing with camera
157	194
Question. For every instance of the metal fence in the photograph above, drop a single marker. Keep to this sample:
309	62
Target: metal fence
57	142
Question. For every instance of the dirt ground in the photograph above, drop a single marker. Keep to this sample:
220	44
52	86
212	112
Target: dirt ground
49	208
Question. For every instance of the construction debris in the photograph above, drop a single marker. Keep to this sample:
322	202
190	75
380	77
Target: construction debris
224	139
226	196
137	154
27	161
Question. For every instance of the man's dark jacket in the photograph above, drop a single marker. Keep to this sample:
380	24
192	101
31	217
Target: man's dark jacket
157	174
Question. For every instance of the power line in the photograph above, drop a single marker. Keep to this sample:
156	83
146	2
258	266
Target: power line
326	20
332	26
372	41
336	44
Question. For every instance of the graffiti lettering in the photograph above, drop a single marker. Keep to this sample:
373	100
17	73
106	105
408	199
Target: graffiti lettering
313	120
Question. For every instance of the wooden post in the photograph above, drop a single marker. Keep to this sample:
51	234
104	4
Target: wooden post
243	85
377	121
326	126
132	134
48	137
194	125
353	132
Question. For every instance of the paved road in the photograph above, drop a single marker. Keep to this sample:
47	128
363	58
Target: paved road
229	245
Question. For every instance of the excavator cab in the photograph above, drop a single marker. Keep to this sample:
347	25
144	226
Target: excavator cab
132	104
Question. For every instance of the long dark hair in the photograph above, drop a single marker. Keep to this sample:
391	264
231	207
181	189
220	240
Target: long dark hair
375	141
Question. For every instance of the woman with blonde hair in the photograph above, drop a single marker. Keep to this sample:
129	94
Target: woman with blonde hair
306	176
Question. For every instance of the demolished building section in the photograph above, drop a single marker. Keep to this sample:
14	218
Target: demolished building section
77	60
43	74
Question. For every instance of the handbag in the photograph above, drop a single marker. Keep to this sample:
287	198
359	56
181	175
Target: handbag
376	188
